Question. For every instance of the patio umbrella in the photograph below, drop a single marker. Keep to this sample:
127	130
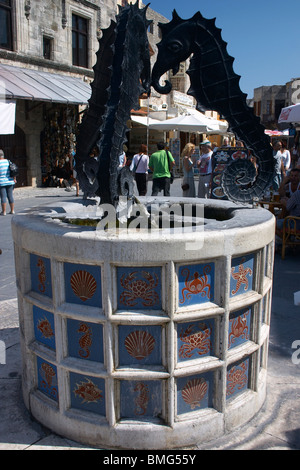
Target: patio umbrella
290	114
186	123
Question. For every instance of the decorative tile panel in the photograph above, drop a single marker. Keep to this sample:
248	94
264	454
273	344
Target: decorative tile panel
196	284
140	345
237	378
83	284
87	393
139	288
44	329
195	339
194	393
239	327
85	340
47	378
140	399
241	278
40	270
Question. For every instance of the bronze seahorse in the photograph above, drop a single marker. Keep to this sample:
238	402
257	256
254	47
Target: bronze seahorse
215	86
121	75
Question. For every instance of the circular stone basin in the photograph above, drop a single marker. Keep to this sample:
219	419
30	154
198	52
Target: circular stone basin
144	338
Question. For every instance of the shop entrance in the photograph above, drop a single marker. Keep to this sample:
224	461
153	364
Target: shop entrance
14	148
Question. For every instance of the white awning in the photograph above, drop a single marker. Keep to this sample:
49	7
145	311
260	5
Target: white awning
28	84
144	120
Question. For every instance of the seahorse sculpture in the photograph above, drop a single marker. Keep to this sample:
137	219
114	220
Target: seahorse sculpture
121	75
215	86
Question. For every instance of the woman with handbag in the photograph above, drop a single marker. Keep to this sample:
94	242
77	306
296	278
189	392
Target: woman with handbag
139	167
188	183
7	184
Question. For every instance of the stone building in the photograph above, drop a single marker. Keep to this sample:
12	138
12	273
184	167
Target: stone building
47	51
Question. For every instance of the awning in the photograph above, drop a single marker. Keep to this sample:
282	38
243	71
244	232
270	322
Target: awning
28	84
144	120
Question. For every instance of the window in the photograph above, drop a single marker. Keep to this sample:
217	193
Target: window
47	47
6	41
80	41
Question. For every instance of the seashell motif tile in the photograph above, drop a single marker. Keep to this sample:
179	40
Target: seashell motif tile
241	277
140	345
83	284
87	393
140	399
139	288
194	392
40	270
237	378
47	378
195	339
44	329
196	284
85	340
239	327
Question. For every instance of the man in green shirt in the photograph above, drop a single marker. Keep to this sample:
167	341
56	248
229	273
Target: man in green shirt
160	163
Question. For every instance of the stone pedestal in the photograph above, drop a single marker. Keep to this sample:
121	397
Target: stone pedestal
137	342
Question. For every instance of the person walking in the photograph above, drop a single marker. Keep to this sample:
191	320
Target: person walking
205	169
139	166
188	183
160	163
7	184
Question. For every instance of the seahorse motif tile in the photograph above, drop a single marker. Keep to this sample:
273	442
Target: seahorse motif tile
85	340
40	271
140	399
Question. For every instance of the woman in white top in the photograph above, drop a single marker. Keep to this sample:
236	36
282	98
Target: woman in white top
284	155
139	165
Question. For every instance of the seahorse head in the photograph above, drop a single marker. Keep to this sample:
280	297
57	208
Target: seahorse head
176	46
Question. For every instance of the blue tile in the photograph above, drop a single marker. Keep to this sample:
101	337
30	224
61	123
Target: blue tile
241	278
47	378
44	329
239	327
40	270
141	399
139	345
83	284
85	340
87	393
196	284
194	392
139	288
195	339
237	378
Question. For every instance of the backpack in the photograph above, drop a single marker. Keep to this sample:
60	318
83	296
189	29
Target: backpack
13	169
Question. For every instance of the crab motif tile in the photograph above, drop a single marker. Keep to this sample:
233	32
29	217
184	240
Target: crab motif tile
140	399
239	327
47	378
194	392
44	328
40	270
87	393
85	340
140	345
237	378
83	284
196	284
139	288
241	277
195	340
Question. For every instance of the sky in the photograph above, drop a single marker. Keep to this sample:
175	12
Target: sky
263	36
